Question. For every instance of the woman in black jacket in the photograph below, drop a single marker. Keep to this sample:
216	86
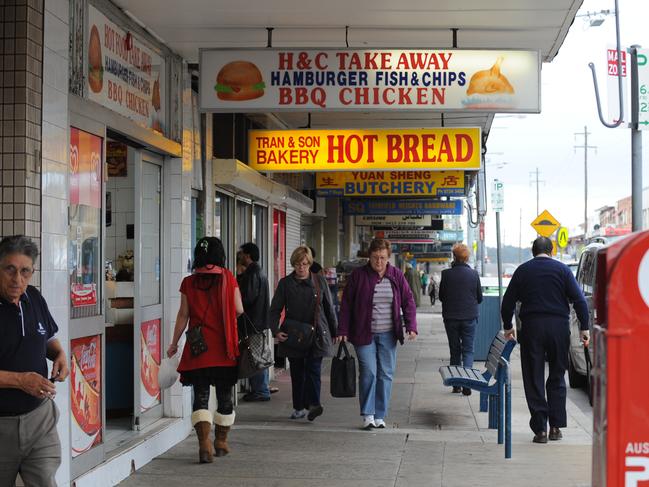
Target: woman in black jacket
460	292
300	294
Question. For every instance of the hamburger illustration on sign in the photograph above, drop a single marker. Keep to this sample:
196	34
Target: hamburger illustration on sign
239	81
95	67
489	88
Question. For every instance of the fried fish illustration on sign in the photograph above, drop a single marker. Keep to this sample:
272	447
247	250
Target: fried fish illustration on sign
490	81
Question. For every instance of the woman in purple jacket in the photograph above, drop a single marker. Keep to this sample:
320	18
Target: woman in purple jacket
374	299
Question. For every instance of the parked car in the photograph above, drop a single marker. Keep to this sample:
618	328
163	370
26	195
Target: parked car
573	265
578	363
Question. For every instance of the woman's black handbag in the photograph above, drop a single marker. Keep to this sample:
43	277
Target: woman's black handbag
196	340
343	373
255	353
300	335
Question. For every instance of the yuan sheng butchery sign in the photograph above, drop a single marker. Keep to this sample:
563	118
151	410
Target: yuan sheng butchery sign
262	80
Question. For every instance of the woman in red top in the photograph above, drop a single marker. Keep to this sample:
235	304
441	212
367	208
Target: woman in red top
210	297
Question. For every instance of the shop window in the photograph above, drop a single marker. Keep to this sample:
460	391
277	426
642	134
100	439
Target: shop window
260	231
223	221
84	257
244	223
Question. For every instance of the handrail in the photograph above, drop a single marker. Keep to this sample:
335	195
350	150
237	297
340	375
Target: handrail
591	65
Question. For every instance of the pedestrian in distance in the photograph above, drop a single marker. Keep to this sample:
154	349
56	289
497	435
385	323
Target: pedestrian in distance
316	268
304	297
374	300
432	290
414	281
460	293
545	287
255	295
209	299
29	442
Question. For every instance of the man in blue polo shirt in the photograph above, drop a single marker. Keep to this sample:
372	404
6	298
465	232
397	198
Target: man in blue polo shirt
29	442
545	287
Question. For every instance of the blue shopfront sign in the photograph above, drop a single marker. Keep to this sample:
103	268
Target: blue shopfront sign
402	207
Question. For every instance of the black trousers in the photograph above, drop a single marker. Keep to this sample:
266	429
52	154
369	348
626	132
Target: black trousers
223	398
541	337
305	381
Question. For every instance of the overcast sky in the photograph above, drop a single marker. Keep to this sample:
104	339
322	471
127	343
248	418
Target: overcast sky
547	140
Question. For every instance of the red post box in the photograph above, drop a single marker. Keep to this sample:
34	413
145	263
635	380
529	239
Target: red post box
620	370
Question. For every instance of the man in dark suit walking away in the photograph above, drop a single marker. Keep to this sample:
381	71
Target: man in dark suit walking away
545	288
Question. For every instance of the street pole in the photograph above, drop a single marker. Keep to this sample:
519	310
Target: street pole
500	263
636	147
585	181
585	133
520	231
537	191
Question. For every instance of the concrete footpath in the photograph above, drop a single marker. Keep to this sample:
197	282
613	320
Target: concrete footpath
434	438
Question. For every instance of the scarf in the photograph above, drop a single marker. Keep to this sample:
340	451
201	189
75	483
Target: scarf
228	309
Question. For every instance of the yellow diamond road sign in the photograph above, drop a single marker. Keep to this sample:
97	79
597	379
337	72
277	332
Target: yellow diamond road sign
545	224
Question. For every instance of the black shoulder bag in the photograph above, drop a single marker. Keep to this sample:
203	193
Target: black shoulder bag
300	334
195	338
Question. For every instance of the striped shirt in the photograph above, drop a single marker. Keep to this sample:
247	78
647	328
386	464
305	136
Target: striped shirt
382	307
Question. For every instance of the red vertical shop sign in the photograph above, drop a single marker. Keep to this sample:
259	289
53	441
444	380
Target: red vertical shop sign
149	364
85	393
85	190
85	168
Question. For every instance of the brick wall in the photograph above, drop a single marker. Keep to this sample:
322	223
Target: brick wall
21	66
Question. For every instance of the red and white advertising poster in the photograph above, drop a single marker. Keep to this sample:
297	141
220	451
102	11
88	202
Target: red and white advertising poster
149	364
85	393
124	73
369	80
83	295
85	168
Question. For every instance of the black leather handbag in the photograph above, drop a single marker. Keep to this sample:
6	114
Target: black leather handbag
255	353
194	335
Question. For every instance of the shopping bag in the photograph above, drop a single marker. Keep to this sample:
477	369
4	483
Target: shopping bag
343	373
167	374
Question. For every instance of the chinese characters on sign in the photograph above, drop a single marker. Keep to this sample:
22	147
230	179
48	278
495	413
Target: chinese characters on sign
390	183
401	207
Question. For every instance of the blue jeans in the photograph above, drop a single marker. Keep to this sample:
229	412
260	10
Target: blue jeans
305	381
259	384
460	335
376	363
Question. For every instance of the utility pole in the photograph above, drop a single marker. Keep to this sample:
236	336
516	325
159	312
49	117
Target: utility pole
520	231
535	175
636	144
585	133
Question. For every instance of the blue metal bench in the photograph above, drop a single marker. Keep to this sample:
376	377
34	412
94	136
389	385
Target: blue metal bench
493	384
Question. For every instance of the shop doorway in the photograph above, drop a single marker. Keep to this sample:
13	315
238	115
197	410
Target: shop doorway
133	229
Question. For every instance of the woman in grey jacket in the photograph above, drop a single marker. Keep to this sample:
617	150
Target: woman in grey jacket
299	294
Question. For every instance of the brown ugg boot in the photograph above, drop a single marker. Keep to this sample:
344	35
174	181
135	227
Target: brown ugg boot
202	421
221	429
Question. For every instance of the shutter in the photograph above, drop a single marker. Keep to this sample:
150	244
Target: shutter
293	239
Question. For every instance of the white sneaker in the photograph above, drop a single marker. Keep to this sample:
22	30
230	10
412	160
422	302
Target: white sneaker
368	422
298	414
379	423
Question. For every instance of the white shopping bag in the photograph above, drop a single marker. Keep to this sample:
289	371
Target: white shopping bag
168	375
